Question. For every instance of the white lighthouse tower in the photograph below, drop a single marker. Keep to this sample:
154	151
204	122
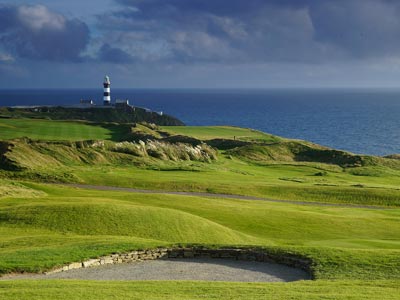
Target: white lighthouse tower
107	95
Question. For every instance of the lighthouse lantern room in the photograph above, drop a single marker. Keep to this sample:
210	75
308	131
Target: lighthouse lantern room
107	95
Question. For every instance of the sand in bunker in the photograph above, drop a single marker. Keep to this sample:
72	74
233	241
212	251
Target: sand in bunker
184	269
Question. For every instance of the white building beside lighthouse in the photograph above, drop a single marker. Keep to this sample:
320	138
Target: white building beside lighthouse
107	94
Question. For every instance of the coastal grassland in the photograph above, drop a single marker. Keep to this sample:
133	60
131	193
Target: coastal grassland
299	181
39	129
283	169
355	251
93	114
329	290
70	224
221	132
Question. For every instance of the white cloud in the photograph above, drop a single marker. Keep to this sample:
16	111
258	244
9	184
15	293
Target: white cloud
5	57
38	17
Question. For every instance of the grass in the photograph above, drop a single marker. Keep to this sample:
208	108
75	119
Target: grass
71	224
279	181
263	172
355	251
385	290
299	181
221	132
56	130
93	114
14	189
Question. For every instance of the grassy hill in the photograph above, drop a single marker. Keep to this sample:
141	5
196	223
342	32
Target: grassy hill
81	219
93	114
355	250
281	169
52	225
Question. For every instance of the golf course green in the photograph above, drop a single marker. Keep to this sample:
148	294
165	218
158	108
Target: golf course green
340	210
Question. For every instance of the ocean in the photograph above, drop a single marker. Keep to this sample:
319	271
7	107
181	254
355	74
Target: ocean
363	121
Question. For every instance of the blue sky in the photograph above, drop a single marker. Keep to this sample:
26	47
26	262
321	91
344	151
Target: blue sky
200	43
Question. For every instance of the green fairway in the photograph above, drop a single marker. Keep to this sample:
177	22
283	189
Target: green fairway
55	290
54	130
68	225
221	132
288	182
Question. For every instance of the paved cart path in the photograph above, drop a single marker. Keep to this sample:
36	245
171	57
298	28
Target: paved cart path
132	190
205	269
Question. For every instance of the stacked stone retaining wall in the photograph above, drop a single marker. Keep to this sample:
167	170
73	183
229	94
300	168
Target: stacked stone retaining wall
260	255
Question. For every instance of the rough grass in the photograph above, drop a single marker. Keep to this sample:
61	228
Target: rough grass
336	290
9	189
99	163
167	151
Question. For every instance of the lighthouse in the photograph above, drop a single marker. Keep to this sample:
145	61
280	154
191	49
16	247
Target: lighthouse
107	97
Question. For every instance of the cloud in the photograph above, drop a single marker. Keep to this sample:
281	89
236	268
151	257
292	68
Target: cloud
245	31
212	31
6	58
203	43
218	7
113	55
361	28
37	18
35	32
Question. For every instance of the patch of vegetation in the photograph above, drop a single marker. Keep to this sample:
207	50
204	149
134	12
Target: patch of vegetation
321	173
251	172
167	151
11	189
46	130
144	131
94	114
205	133
296	151
366	171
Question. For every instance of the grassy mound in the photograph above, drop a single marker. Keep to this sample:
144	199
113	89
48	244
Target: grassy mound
120	220
39	156
66	225
298	151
